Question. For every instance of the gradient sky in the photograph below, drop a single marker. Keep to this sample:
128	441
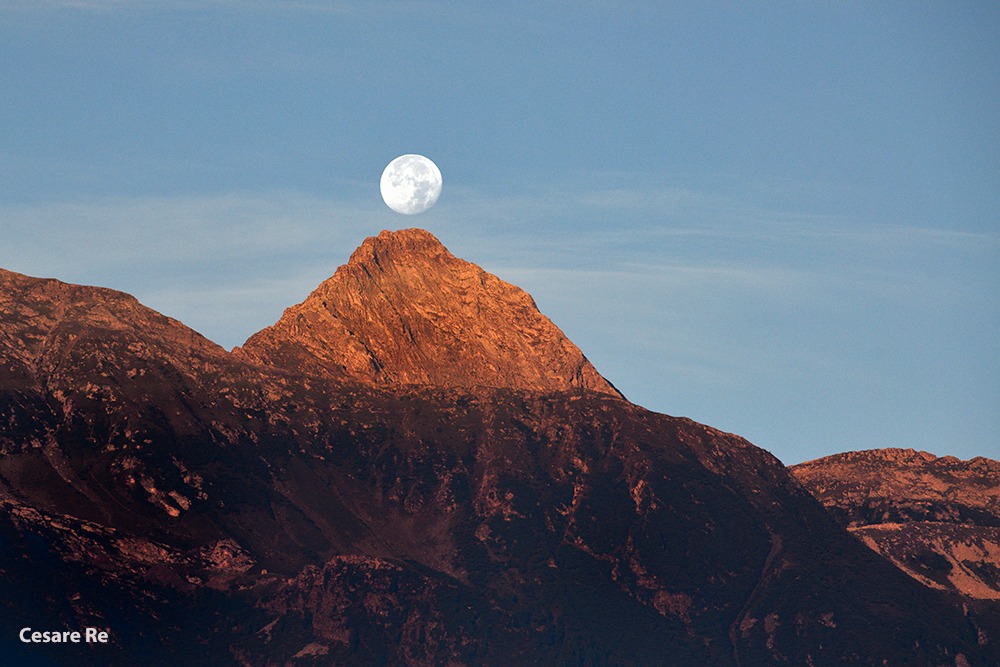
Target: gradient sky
779	218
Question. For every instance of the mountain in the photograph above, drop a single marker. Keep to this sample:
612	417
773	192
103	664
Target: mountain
413	466
405	311
935	518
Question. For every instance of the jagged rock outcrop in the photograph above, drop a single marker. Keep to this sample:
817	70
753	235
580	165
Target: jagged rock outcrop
936	518
404	311
284	504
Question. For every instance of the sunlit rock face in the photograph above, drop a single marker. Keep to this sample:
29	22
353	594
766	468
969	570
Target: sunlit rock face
936	518
412	467
405	311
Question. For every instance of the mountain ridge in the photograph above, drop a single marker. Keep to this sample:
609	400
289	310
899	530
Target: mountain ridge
936	518
227	508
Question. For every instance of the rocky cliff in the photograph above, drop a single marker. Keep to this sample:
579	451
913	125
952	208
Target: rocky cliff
405	311
936	518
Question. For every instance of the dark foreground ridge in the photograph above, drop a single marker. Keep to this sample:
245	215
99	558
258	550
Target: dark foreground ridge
388	476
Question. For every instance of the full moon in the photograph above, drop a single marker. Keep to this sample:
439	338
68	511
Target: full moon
410	184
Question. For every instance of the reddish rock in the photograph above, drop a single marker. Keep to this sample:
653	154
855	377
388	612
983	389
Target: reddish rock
405	311
412	467
936	518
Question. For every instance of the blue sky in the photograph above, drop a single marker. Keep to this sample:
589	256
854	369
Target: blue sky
780	218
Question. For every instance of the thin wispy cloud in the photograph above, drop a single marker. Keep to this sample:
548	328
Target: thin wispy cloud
333	7
235	251
553	232
706	290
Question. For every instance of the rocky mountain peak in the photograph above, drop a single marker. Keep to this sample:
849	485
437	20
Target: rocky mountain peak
410	243
405	311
